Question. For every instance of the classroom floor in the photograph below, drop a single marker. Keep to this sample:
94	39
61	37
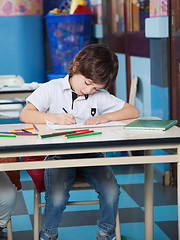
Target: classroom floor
79	222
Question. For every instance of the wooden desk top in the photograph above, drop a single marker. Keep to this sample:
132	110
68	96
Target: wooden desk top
111	136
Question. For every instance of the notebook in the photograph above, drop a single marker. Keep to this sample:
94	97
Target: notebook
147	124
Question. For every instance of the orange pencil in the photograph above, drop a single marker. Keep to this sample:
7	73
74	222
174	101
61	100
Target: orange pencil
20	130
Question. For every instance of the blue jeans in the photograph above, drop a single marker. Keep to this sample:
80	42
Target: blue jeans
59	181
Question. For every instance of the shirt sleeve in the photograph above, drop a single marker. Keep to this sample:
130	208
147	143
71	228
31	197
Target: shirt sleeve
109	103
41	97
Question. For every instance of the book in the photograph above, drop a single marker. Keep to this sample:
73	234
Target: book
147	124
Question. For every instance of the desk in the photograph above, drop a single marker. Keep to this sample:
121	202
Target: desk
112	139
21	91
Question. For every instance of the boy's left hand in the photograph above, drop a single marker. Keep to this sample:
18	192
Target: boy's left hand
96	120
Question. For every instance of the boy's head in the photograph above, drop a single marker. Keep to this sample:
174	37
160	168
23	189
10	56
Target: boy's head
97	63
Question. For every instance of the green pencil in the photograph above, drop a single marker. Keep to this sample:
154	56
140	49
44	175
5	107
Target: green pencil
84	135
56	134
7	135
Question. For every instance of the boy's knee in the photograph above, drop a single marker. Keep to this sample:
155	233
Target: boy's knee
58	200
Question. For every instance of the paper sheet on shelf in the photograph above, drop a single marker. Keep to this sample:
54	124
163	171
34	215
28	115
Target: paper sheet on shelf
25	86
81	125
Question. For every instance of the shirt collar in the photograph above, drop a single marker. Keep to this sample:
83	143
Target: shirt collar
67	86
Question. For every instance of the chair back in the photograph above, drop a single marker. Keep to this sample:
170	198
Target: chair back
133	90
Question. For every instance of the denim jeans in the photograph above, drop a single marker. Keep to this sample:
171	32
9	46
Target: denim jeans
59	181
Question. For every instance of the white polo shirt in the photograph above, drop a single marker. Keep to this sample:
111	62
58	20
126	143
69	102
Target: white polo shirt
53	96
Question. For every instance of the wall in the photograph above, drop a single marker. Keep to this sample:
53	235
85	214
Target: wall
22	47
141	68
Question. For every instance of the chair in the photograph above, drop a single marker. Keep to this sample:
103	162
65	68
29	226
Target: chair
133	90
132	96
79	184
9	230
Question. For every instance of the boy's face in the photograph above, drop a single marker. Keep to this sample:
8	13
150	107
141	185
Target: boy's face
81	85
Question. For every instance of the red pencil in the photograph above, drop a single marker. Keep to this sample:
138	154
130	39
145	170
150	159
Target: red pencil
79	133
63	133
81	130
70	131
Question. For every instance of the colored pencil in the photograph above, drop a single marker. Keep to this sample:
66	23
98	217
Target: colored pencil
84	135
79	133
81	130
23	130
18	133
10	133
35	128
6	135
64	110
56	134
17	130
25	134
63	133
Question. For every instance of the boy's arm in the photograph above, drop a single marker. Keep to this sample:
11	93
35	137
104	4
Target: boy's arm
30	114
127	112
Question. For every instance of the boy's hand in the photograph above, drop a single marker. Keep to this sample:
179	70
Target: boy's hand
96	120
65	119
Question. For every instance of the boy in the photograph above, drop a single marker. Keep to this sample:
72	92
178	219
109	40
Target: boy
81	94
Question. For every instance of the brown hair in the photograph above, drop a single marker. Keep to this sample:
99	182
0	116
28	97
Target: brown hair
97	63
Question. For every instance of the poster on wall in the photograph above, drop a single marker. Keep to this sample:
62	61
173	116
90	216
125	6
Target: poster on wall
158	8
21	7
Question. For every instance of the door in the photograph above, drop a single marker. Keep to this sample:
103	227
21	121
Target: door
175	69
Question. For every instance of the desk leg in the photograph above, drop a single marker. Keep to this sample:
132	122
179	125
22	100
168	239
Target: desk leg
149	209
178	190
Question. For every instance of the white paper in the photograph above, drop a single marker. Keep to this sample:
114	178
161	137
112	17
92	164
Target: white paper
81	125
22	87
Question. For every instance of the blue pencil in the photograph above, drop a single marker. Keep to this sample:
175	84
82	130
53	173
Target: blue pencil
10	133
64	110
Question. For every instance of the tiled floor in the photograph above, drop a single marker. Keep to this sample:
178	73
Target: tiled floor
79	223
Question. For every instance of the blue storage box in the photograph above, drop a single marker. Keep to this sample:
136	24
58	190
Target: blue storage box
67	35
50	76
